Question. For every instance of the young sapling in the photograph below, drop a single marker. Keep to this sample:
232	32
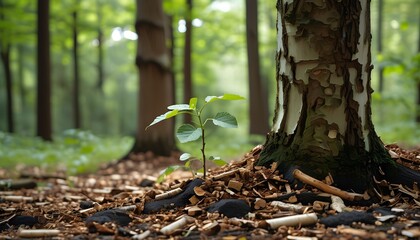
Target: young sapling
196	130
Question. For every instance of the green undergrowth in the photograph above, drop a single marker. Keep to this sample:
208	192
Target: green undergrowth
74	150
83	152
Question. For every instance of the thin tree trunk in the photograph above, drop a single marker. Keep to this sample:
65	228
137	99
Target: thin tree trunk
5	57
187	58
379	47
418	80
21	67
76	83
101	75
156	84
44	129
258	106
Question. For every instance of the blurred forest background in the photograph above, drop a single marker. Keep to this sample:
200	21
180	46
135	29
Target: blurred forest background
95	83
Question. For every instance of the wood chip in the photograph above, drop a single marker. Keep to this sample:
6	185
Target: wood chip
260	203
211	228
236	185
199	191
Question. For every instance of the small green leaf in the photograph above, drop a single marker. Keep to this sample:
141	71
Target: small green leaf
187	164
165	172
179	107
226	96
164	116
188	133
225	120
193	103
219	162
185	156
201	170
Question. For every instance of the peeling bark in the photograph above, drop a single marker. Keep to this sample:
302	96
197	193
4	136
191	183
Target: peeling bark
322	120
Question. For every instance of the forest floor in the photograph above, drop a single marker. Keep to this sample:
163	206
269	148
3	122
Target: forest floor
112	204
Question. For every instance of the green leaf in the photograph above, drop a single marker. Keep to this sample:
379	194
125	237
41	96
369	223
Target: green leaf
193	103
225	120
226	96
179	107
165	172
219	162
187	164
188	133
185	156
164	116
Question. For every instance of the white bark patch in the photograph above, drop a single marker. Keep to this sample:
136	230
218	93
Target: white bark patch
295	109
362	57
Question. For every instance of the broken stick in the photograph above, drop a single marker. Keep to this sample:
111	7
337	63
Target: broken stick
324	187
181	222
292	221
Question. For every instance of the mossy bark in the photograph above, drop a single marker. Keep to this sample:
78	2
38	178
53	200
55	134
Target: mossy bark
322	121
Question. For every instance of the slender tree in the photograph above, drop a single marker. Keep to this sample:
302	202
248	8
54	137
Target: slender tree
379	42
5	46
258	106
418	80
187	57
76	74
322	122
100	66
44	129
156	84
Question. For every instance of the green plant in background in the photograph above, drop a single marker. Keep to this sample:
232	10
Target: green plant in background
196	130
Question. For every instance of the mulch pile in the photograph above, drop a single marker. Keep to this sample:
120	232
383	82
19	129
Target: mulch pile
236	201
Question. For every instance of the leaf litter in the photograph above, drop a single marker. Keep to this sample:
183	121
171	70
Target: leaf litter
251	202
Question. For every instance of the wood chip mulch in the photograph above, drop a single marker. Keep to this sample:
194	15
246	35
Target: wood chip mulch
110	203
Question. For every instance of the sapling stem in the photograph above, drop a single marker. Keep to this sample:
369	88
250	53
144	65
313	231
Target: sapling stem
203	143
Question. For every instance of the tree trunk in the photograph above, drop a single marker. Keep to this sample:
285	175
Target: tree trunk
418	80
76	83
44	76
156	84
258	106
322	122
187	58
379	47
5	58
101	75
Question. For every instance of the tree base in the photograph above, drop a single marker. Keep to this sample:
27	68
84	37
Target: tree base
352	170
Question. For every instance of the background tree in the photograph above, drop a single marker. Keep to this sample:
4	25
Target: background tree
322	121
258	99
44	129
187	56
5	46
76	73
156	85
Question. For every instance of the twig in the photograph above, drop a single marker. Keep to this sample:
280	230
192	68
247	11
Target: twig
142	235
225	174
171	228
168	194
34	233
324	187
18	198
290	207
292	221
